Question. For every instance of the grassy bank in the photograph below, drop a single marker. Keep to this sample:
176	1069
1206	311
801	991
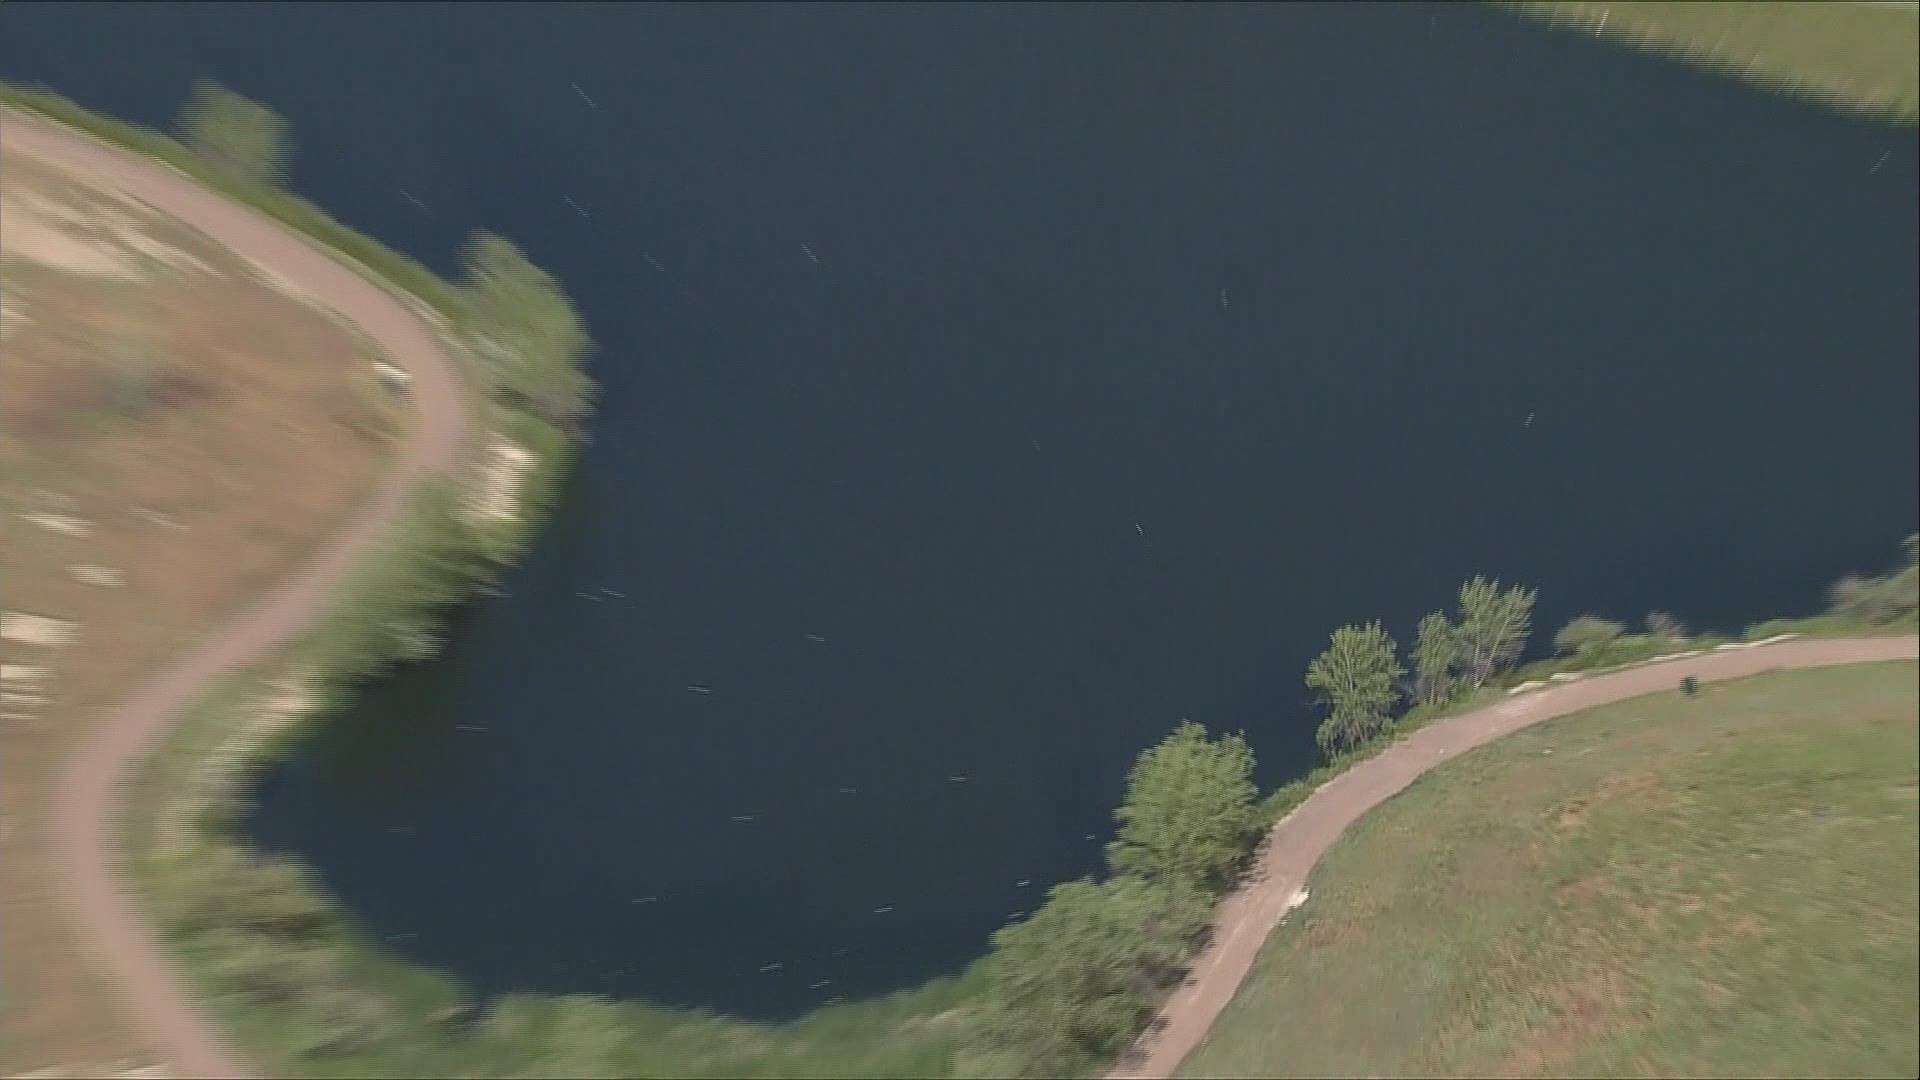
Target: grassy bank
1856	57
1661	887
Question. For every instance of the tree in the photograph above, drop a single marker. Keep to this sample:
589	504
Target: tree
1073	984
1493	628
1584	633
1192	812
241	138
1358	675
1436	651
526	332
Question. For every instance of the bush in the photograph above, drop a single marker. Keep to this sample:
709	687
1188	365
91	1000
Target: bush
224	887
1876	599
1662	625
395	605
240	137
530	340
338	1019
1071	986
1585	633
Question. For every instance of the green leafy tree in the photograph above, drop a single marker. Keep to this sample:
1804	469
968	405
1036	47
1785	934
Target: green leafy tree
1493	628
236	135
1073	984
1358	677
1584	633
1192	812
526	332
1436	651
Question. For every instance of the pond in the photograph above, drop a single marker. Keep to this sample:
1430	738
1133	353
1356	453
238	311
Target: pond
986	389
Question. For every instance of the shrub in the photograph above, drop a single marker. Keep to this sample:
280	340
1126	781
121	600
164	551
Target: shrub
1662	625
530	340
1585	633
1190	815
1072	985
241	138
1878	599
395	604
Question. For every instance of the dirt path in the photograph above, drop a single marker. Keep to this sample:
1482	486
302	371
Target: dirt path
1248	915
107	918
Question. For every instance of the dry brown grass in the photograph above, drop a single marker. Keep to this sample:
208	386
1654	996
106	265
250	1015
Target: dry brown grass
210	431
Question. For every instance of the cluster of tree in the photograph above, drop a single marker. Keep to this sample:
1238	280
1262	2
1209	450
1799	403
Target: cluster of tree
1873	600
1592	638
1361	681
1074	983
529	339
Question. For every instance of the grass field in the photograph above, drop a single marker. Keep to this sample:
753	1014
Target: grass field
1857	55
1718	886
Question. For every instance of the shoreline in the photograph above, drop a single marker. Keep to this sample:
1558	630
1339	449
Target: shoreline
110	922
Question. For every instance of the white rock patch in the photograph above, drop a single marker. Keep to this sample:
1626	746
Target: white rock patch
47	633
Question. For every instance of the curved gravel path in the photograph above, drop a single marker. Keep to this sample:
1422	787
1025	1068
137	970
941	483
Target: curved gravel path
1245	918
107	917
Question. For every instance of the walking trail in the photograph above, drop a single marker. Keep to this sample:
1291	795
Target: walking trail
107	918
1245	918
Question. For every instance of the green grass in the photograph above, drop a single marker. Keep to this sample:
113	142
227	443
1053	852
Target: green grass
1860	57
1722	885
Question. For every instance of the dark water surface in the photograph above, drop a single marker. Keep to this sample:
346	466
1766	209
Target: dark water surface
1143	347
